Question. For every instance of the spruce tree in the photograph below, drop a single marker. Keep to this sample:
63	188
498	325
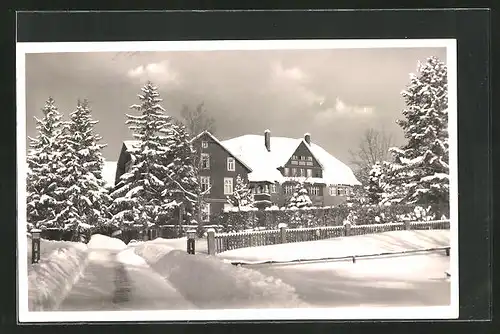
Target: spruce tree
86	197
374	189
420	170
44	164
140	198
242	195
181	182
300	198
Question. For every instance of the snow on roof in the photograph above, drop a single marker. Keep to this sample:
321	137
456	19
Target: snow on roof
223	146
251	149
109	172
130	144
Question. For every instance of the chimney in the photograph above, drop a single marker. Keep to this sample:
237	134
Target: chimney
307	138
267	139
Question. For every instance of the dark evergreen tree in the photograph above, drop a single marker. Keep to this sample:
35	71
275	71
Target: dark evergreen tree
86	197
420	172
44	164
141	197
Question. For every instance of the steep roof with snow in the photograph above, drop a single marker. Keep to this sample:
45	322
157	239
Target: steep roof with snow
109	172
265	164
221	145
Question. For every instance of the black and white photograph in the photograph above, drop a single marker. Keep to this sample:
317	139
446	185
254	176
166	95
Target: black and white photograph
237	180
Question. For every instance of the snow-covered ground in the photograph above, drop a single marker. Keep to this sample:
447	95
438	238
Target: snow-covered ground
209	283
60	266
339	247
405	280
180	244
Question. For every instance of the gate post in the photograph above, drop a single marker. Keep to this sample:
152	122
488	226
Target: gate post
211	241
282	227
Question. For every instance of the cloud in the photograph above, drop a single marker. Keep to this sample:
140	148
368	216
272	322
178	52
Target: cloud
292	73
292	84
160	72
342	109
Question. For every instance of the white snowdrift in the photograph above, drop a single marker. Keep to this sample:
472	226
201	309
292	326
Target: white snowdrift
368	244
211	284
51	279
149	289
99	241
152	251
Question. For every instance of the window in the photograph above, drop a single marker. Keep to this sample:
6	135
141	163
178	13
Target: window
294	172
205	212
295	162
287	171
309	158
230	164
309	172
205	161
205	183
204	144
314	190
341	191
317	173
302	172
273	189
309	163
294	157
333	191
228	186
288	189
302	158
302	163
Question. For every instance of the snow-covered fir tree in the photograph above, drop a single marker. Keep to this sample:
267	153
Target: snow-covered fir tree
85	194
374	189
300	198
242	196
420	170
181	181
43	182
140	198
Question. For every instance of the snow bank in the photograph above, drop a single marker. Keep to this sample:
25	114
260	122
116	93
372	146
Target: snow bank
152	251
210	283
368	244
51	279
99	241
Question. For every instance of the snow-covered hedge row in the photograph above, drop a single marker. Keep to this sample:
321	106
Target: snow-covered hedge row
50	280
209	283
327	216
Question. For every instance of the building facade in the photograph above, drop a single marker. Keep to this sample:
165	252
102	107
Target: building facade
271	166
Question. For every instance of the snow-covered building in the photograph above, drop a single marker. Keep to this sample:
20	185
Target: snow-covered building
272	165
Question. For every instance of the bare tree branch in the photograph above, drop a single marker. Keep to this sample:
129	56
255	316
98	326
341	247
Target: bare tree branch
373	147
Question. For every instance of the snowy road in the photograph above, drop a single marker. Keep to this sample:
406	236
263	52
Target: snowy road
109	283
416	280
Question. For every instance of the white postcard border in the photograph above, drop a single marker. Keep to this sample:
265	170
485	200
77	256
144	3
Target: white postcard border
357	313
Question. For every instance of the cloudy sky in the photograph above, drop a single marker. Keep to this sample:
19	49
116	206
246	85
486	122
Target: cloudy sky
333	94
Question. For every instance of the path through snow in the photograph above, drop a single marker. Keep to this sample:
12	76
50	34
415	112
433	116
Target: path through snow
116	279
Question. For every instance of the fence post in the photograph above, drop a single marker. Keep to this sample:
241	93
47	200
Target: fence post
407	225
347	228
282	228
211	241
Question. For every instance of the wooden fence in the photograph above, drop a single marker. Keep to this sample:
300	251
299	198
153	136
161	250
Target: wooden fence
221	242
